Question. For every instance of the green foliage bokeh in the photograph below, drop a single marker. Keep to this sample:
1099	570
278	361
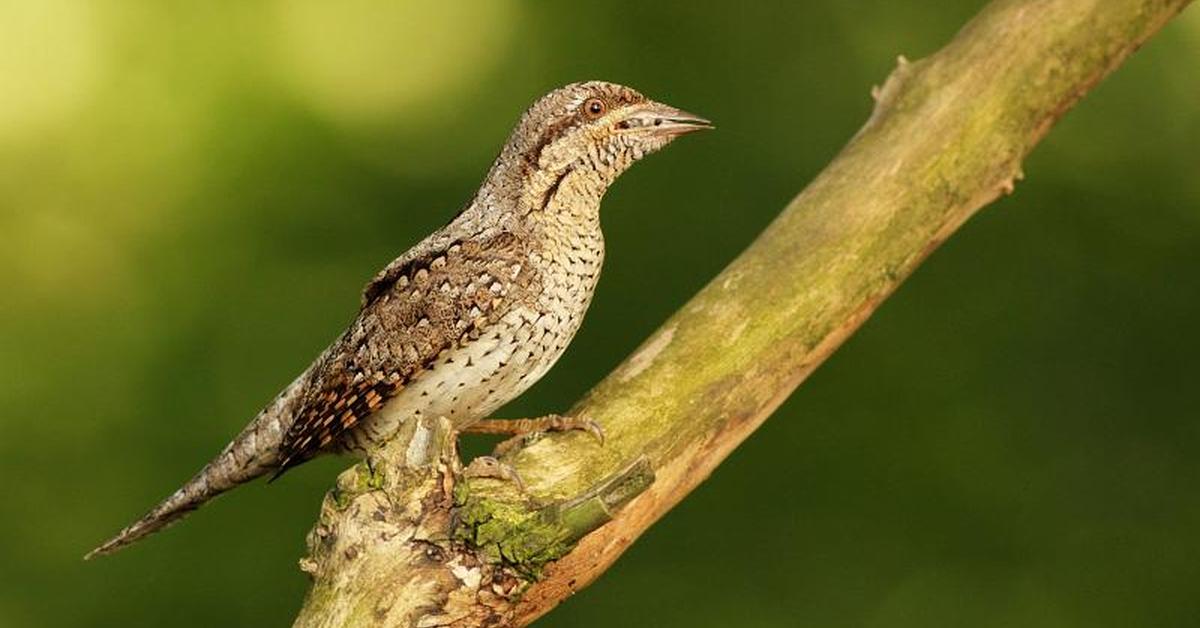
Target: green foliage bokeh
192	195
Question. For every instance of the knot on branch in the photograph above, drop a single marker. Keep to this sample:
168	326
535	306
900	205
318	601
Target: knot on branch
886	95
401	496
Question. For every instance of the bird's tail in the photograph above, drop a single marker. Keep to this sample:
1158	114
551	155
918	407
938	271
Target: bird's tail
253	453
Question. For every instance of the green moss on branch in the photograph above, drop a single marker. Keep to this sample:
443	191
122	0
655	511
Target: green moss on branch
508	531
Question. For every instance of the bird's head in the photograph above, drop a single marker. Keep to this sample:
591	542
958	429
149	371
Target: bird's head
595	127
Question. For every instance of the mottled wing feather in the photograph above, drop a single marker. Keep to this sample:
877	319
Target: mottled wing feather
386	278
341	406
412	314
402	266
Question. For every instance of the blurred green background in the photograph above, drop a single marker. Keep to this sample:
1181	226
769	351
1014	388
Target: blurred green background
192	195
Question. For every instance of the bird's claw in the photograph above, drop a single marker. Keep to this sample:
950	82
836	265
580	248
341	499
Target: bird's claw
534	428
560	423
493	468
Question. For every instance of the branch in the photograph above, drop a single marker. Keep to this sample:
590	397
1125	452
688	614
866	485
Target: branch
403	545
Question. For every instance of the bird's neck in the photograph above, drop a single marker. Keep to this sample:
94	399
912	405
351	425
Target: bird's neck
542	200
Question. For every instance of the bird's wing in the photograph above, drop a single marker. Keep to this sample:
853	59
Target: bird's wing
386	278
413	313
383	281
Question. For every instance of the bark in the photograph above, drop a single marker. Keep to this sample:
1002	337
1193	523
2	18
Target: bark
405	545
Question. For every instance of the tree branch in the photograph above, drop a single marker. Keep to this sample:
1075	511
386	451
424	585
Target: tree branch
400	546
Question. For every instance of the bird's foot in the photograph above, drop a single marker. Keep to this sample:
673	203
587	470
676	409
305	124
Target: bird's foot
522	430
525	429
490	467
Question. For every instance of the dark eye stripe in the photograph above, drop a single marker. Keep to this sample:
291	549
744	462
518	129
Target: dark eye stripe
562	126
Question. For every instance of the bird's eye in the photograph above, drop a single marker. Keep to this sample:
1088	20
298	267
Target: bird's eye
594	107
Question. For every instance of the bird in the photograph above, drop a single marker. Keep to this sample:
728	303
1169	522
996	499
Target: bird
470	317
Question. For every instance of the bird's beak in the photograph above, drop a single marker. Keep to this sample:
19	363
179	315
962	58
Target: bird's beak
660	119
